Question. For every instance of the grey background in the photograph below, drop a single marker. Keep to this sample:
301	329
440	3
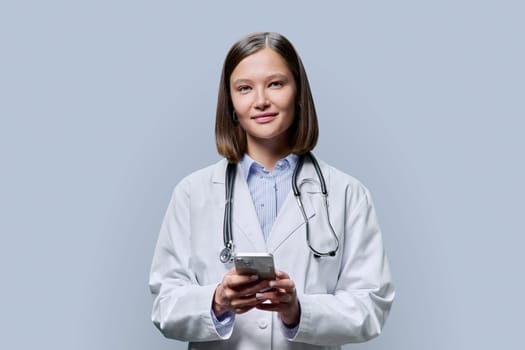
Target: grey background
105	105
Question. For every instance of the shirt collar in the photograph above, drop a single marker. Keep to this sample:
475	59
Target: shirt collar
247	163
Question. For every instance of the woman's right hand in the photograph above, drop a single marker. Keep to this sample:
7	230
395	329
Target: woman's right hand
236	293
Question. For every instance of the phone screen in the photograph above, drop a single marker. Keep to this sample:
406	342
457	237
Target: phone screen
255	264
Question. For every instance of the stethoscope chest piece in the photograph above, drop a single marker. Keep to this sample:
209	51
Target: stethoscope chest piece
226	255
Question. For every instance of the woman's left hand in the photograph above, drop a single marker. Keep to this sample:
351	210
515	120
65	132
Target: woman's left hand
282	298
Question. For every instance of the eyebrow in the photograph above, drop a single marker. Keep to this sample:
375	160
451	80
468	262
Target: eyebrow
270	77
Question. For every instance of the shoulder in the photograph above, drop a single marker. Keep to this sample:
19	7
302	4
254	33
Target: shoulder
339	181
203	177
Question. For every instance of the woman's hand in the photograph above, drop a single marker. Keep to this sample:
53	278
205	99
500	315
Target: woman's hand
282	298
237	293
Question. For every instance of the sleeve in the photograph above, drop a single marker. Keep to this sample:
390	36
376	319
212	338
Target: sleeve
289	333
224	325
181	307
364	293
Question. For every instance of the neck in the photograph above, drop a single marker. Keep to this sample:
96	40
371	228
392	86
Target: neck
267	152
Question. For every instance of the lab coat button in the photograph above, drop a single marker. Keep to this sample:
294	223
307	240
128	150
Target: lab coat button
263	324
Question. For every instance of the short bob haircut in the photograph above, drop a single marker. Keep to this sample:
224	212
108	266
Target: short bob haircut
230	138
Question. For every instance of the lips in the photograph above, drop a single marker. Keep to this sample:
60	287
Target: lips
264	117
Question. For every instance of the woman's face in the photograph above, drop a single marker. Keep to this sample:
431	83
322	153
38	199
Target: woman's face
263	93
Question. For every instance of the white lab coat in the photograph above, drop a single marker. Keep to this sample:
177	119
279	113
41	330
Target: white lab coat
343	299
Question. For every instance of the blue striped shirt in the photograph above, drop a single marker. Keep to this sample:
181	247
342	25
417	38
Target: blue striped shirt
269	189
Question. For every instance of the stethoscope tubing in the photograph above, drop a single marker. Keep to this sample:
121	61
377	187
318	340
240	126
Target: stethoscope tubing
324	191
226	253
231	170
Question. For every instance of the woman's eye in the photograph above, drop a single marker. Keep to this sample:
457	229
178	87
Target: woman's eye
243	89
276	84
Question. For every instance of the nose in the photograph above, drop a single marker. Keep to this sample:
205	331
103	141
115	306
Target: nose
261	100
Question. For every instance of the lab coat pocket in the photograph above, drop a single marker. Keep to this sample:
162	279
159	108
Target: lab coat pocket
321	275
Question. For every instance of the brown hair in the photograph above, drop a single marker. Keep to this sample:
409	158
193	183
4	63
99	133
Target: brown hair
230	138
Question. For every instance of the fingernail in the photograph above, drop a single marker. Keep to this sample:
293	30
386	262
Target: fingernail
258	295
254	277
272	283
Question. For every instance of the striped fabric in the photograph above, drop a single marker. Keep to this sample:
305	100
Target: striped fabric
268	189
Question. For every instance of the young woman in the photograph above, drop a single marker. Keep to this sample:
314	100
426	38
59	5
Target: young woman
332	281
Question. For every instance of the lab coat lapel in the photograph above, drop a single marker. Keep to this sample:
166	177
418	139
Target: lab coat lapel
245	219
290	220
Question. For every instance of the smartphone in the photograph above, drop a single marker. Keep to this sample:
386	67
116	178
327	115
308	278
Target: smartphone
255	264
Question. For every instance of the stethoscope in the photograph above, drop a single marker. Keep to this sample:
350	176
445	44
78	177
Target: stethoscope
231	170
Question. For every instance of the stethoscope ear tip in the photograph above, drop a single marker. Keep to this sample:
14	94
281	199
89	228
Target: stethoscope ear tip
331	254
